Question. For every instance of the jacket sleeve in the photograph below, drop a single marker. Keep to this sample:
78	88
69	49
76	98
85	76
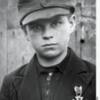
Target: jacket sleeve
5	89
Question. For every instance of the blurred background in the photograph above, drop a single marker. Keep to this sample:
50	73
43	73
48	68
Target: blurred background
15	50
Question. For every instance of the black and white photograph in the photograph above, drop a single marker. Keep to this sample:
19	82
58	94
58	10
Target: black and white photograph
48	50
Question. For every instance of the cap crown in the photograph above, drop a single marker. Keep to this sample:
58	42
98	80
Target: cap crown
27	6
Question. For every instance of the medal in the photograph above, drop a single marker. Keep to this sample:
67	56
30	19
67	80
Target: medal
78	93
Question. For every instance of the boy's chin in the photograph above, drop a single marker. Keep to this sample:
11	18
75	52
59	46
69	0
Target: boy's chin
50	55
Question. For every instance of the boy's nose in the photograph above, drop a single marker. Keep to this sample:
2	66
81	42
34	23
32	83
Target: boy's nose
48	34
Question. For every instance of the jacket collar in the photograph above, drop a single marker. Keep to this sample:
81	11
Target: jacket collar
75	74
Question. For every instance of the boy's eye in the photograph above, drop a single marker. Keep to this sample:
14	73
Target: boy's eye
35	27
56	23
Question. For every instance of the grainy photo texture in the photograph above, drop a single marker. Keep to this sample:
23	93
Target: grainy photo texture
47	49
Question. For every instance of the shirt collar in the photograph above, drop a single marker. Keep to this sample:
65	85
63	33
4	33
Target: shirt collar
57	68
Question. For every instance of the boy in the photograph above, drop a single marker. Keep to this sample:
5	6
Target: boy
55	72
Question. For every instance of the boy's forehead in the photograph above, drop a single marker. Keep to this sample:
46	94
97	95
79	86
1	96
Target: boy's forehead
45	14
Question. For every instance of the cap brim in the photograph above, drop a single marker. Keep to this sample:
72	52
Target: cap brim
44	13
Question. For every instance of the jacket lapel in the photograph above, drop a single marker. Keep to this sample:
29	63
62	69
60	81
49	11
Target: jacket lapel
27	86
75	75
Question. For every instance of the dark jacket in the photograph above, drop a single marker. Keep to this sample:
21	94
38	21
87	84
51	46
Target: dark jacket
22	84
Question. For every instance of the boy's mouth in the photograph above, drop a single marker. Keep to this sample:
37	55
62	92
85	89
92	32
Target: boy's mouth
49	45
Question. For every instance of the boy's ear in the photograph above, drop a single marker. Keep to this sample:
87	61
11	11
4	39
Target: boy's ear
72	23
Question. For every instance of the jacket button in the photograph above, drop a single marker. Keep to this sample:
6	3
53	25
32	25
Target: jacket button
48	78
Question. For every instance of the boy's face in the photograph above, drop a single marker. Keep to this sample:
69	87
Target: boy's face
50	37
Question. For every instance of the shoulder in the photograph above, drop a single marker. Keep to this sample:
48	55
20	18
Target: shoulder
7	81
90	67
87	67
80	64
6	88
18	72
